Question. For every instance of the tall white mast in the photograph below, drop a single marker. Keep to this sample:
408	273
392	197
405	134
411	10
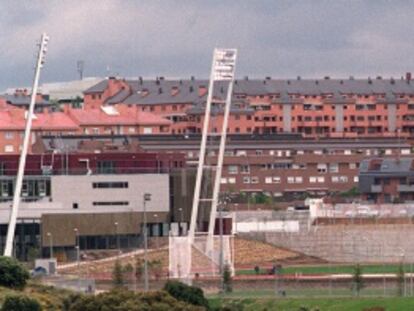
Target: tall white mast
223	68
26	141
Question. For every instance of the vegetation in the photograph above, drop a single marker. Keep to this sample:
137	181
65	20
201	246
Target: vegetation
227	279
128	301
326	304
190	294
12	273
358	281
20	303
400	280
117	275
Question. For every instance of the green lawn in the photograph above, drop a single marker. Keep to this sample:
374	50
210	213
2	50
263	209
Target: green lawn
328	304
334	269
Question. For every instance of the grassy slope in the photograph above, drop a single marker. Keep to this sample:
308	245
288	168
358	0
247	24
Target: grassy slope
329	304
371	269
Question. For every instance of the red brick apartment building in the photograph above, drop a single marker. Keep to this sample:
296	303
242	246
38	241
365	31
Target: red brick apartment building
318	108
279	165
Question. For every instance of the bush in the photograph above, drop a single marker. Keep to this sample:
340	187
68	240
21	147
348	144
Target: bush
128	301
227	279
20	303
186	293
118	274
12	273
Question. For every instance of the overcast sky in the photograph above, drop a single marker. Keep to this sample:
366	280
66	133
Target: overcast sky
282	39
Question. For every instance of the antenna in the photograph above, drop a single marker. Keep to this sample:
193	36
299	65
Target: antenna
80	64
44	40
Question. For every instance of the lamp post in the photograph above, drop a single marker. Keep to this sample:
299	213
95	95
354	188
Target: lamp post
180	222
117	238
50	245
146	198
158	230
77	255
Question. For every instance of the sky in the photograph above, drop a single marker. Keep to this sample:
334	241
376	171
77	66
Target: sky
175	38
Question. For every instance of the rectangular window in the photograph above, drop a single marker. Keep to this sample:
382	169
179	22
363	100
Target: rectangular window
321	179
268	180
8	148
298	179
255	180
291	180
106	167
224	180
333	168
232	169
8	135
110	184
131	129
322	168
231	180
352	166
312	179
244	169
246	180
276	180
110	203
356	179
147	130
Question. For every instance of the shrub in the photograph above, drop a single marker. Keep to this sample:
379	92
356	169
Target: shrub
118	274
227	279
20	303
12	273
186	293
400	280
357	279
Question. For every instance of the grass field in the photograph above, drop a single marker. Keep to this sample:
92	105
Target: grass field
325	304
334	269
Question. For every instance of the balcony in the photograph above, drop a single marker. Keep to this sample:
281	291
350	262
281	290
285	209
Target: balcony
376	188
405	188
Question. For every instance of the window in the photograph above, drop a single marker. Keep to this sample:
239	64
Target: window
321	179
8	148
113	184
405	151
106	167
231	180
110	203
75	205
298	179
356	179
8	135
232	169
268	180
276	180
300	152
244	169
347	152
291	180
241	152
312	179
352	166
319	152
147	130
333	168
288	153
254	180
131	129
246	180
322	168
259	152
95	130
223	180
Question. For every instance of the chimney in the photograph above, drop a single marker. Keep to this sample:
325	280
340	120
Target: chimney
408	77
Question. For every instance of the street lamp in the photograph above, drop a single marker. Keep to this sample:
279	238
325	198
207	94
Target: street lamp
158	230
50	245
117	237
180	231
146	198
77	255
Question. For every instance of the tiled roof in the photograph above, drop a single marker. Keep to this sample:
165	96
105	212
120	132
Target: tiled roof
126	116
23	100
15	120
147	92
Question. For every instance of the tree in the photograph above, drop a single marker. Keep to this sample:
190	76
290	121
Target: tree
358	281
186	293
117	274
20	303
12	273
227	279
400	280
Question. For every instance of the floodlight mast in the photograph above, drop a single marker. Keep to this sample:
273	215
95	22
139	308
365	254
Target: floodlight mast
26	141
